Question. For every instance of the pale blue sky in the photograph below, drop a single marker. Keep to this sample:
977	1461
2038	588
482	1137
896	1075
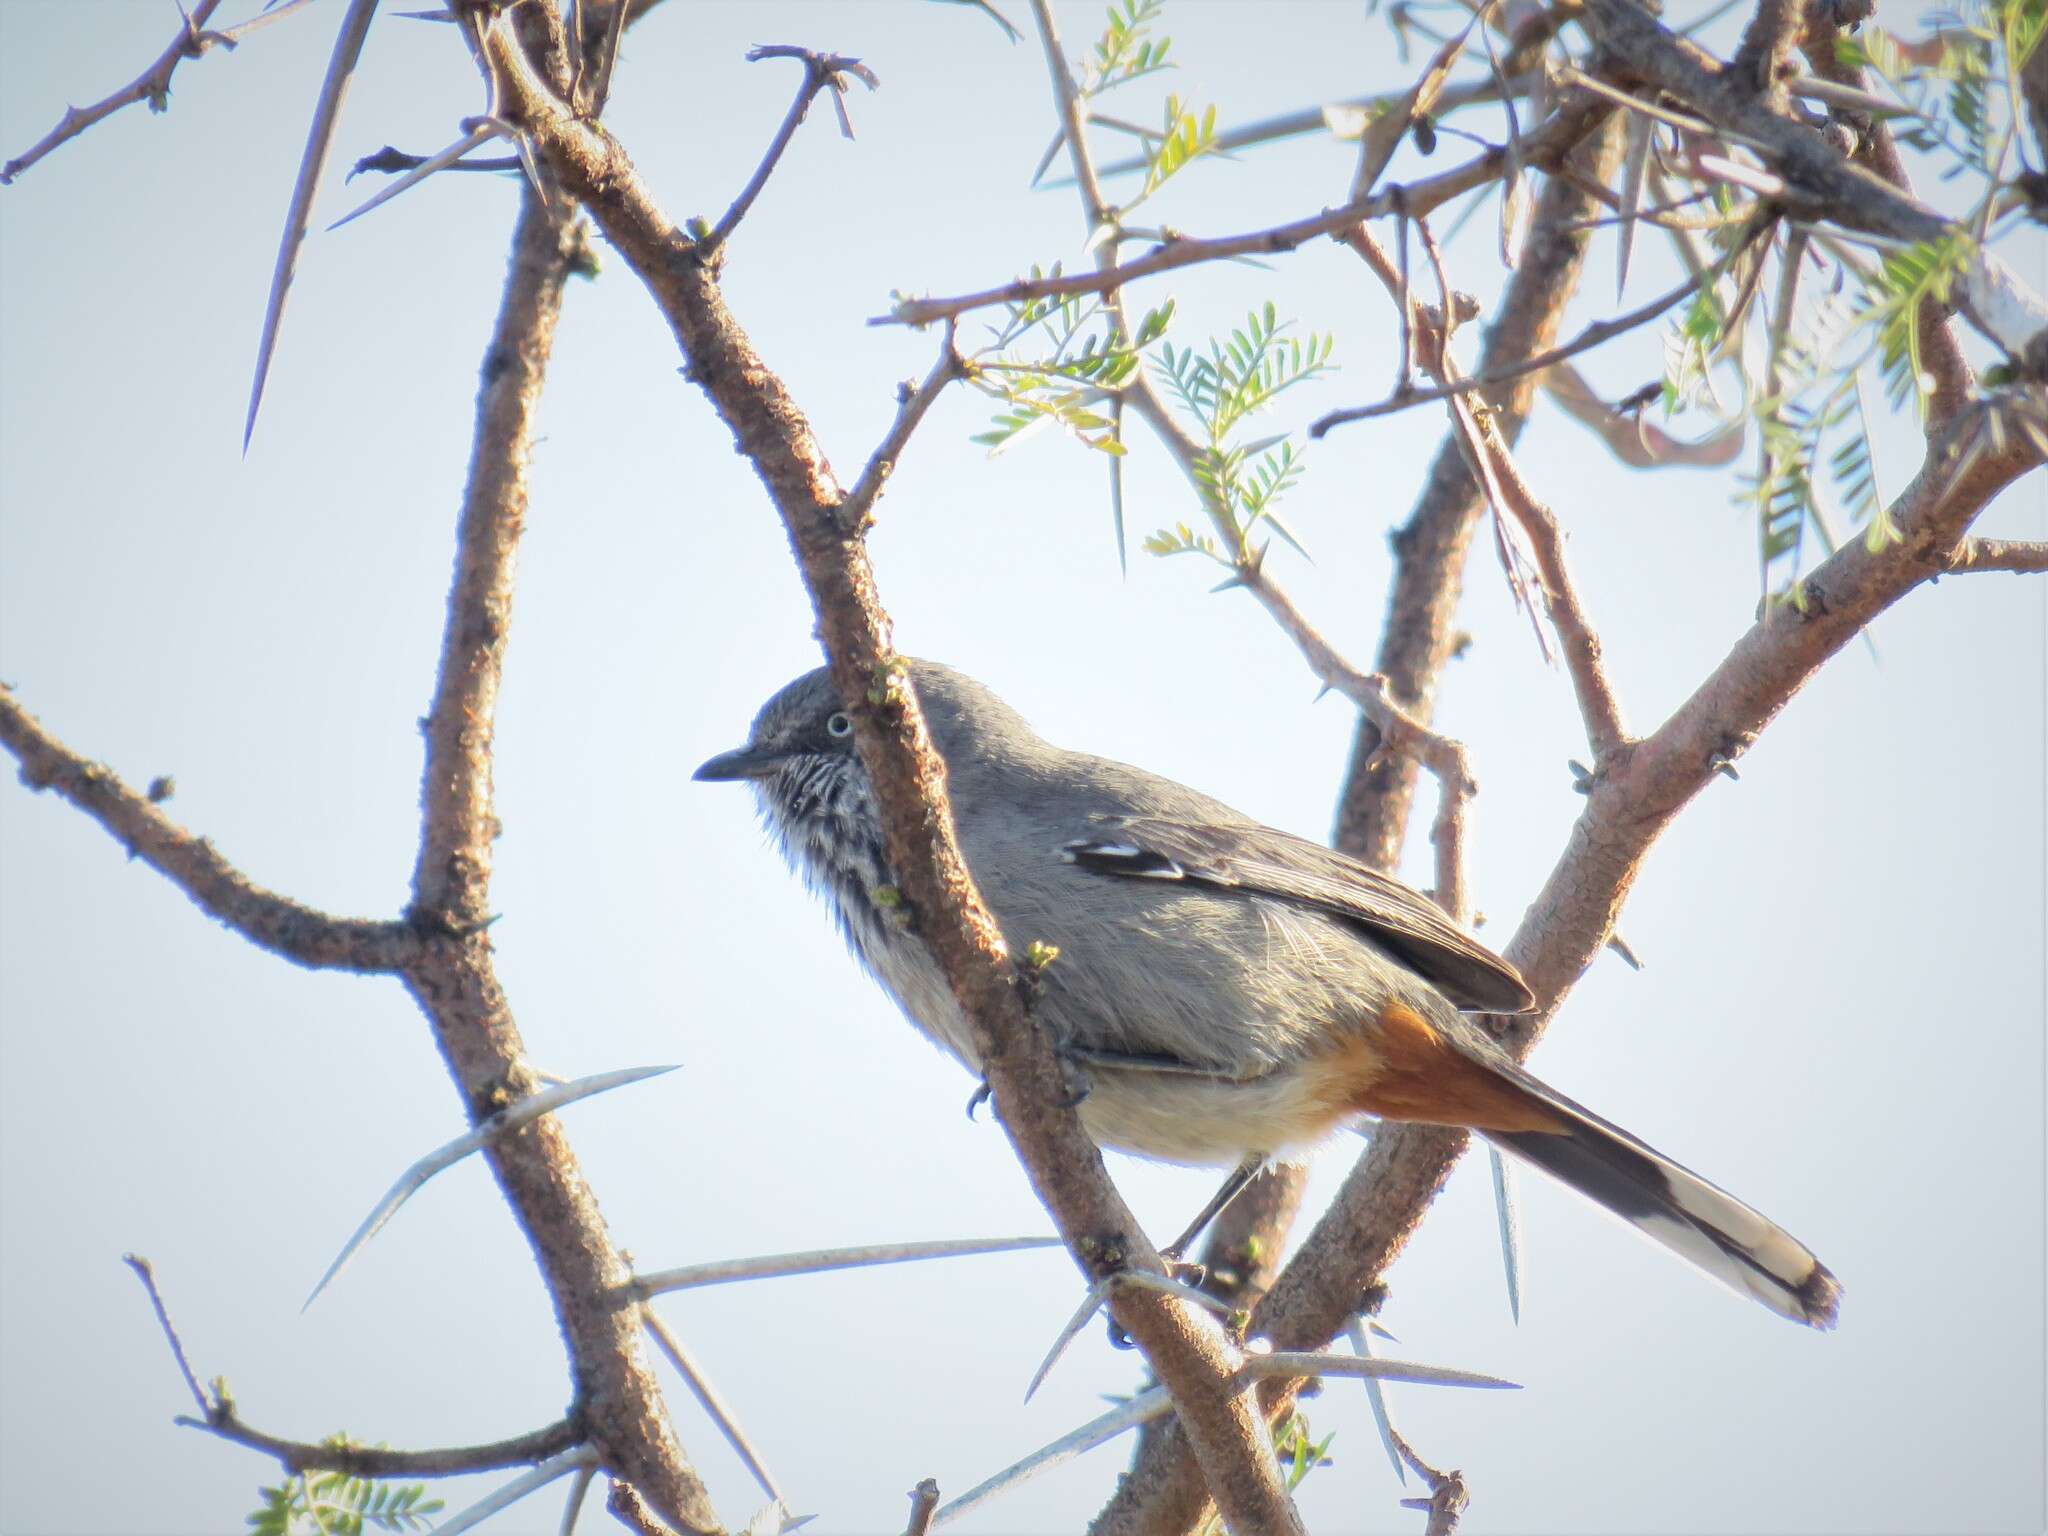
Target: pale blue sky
1840	1019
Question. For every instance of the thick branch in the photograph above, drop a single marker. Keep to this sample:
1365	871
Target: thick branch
1941	344
1627	810
264	918
1182	1344
1819	183
1162	1493
454	980
451	879
153	85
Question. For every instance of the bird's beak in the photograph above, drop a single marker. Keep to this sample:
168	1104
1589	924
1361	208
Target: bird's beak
745	763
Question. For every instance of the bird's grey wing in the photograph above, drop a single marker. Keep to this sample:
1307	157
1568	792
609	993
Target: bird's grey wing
1244	856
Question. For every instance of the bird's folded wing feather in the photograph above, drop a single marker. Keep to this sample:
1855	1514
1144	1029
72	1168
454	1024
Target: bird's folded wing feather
1261	861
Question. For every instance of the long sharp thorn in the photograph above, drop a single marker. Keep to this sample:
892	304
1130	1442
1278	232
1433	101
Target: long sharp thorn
1508	1206
341	64
419	173
1375	1395
1145	1406
444	1157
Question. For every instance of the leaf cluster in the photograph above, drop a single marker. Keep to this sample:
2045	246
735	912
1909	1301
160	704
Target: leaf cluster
1126	51
1076	360
1219	390
341	1504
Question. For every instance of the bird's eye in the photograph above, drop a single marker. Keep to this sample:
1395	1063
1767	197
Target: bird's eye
837	724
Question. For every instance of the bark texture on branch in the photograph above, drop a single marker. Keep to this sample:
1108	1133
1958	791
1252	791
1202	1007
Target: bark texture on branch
1430	548
1163	1493
1573	916
1184	1345
193	865
618	1399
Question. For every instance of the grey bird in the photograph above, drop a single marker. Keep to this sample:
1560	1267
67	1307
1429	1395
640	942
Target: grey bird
1230	993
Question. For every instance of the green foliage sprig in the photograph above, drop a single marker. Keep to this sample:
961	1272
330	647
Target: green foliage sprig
341	1504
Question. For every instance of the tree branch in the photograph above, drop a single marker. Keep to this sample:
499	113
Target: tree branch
1941	344
266	919
153	85
1583	660
821	70
1766	46
1818	182
1592	336
1448	1494
219	1418
911	405
1487	452
2021	557
1183	1345
1162	1492
298	1456
454	980
1627	810
1540	148
1429	549
924	1503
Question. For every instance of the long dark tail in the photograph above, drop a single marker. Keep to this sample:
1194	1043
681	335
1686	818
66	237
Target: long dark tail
1673	1206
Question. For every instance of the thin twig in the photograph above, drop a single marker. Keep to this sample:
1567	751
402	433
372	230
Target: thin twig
924	1503
445	159
393	161
219	1418
1592	336
147	1275
1448	1494
911	405
153	85
1583	657
1416	197
821	71
266	919
2018	556
381	1461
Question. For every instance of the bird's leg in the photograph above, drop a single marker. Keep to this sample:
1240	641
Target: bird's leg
1177	1268
1234	1185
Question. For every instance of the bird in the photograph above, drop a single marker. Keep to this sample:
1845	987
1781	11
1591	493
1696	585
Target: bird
1230	993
